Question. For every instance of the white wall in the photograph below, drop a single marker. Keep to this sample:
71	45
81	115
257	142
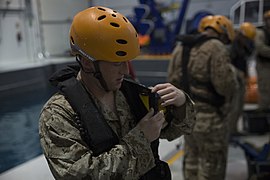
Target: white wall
43	29
12	25
55	19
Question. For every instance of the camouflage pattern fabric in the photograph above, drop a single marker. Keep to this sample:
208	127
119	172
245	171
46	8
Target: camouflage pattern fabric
69	157
206	148
263	70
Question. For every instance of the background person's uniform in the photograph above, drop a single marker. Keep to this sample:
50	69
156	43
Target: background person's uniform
206	148
240	51
69	157
262	42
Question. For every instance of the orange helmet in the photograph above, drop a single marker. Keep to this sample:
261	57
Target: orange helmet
100	33
266	14
248	30
222	25
204	22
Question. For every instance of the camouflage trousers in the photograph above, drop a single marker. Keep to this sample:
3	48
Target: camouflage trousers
263	74
206	155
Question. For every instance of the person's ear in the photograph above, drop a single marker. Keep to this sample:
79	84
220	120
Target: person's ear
87	65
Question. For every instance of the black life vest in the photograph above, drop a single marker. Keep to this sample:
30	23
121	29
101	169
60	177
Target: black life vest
95	131
188	42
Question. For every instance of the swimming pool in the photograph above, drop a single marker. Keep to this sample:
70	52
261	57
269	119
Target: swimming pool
19	116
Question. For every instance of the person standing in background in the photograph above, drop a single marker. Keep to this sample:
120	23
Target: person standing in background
262	43
201	66
240	51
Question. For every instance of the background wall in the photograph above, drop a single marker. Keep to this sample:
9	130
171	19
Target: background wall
33	30
55	19
13	31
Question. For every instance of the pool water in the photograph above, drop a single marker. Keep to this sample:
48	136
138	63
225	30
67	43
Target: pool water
19	118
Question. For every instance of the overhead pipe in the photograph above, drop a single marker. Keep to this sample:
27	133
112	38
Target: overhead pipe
181	16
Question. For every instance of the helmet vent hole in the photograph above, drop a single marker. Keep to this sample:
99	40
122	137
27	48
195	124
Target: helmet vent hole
121	41
125	19
114	11
121	53
101	9
113	15
101	17
115	24
72	40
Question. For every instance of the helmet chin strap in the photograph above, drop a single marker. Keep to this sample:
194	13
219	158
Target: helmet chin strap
98	75
79	61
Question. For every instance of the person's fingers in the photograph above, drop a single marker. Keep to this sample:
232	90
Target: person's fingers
167	90
159	116
165	123
149	114
167	96
159	87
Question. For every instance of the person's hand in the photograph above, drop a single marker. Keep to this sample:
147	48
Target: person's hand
169	94
151	124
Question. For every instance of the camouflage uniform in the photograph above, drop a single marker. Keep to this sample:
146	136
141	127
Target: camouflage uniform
263	69
69	157
206	148
240	53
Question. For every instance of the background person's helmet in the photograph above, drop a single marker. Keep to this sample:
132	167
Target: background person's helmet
248	30
222	25
266	14
204	22
100	33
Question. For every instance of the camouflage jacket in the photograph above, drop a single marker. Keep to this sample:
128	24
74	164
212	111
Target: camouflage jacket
209	63
69	157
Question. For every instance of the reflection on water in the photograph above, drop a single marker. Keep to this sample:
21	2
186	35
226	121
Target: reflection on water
19	139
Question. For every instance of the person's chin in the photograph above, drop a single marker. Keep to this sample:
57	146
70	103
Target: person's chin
119	82
118	86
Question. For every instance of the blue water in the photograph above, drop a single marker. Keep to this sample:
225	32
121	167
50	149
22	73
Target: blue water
19	116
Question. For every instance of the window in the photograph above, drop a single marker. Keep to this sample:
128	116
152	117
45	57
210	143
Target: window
251	12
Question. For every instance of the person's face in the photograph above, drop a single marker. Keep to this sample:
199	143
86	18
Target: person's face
113	73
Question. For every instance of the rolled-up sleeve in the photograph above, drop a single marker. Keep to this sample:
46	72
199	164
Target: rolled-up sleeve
184	118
